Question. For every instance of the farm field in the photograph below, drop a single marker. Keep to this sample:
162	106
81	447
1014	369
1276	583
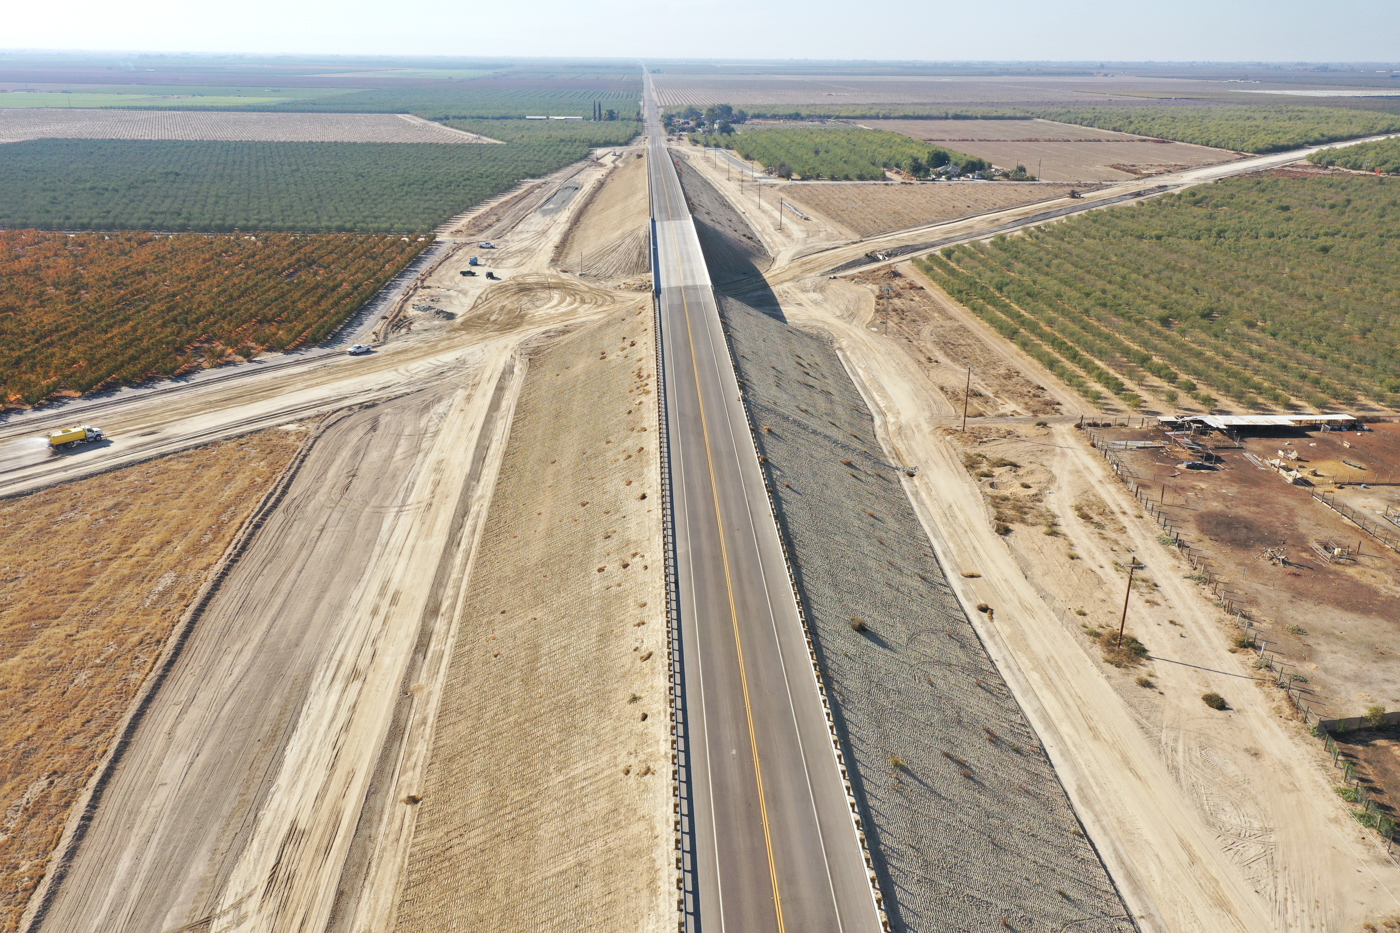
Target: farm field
458	88
221	186
20	125
881	208
486	98
841	152
1058	151
1261	291
583	133
766	94
1243	128
80	636
44	100
91	310
1382	157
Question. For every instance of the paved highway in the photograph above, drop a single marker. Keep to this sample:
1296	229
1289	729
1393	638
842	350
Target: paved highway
775	847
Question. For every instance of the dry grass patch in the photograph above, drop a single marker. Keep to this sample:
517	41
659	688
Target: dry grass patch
870	209
93	576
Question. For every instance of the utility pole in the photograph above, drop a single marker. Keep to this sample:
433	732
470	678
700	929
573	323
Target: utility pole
967	391
1134	567
780	213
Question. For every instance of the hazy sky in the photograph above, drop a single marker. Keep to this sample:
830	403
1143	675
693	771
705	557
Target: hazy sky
1060	30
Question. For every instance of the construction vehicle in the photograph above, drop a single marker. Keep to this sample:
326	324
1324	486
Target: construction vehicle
474	261
72	437
491	275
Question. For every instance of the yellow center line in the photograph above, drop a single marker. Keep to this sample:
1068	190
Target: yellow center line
729	586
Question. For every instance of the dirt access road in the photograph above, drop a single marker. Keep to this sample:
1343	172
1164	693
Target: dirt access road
272	753
1255	839
815	247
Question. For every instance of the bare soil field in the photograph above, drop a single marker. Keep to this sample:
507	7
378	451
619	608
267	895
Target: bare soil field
876	207
1005	131
1059	151
1332	622
900	307
609	237
752	91
19	125
94	575
549	781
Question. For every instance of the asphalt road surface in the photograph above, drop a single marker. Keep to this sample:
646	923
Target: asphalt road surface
775	845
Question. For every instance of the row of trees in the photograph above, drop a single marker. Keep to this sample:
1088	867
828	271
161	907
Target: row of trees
1264	291
1245	128
846	153
222	186
481	98
1242	128
91	310
1382	156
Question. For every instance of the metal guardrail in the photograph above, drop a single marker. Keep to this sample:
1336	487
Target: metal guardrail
687	898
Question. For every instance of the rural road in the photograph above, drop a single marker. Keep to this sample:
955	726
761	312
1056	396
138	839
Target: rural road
902	245
775	847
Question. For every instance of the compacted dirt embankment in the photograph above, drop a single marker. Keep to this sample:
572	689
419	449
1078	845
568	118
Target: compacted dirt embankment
233	802
546	800
611	235
969	827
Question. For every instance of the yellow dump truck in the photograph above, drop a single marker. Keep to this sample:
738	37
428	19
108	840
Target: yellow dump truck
72	437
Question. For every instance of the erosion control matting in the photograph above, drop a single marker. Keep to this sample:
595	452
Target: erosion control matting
969	826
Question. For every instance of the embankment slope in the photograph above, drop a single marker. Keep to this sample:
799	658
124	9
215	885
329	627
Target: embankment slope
547	798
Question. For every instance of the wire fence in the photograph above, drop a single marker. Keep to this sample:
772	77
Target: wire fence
1295	686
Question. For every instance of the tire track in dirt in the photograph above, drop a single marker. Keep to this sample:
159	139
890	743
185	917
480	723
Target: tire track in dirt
182	802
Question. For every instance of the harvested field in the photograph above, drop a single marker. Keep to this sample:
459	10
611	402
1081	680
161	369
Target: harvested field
95	575
869	209
611	236
968	825
772	94
21	124
158	306
1061	152
549	781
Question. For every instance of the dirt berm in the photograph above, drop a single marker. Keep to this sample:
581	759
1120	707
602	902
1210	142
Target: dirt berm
546	804
969	827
